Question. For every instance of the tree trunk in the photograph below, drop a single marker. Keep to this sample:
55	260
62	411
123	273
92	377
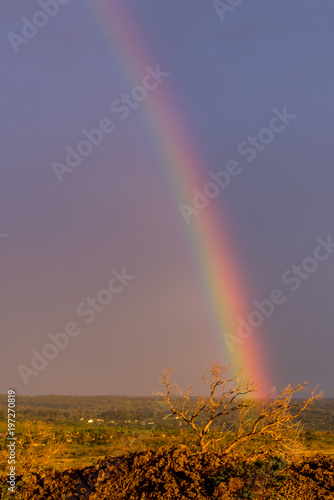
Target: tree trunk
203	444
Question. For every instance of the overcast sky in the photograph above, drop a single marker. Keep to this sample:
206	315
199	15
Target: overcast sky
60	241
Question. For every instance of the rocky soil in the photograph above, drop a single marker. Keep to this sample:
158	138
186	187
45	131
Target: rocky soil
178	474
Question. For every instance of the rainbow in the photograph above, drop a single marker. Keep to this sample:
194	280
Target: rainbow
209	236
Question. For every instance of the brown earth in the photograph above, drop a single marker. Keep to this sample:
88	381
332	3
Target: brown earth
178	474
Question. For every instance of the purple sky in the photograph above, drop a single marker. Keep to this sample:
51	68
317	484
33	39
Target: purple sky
117	208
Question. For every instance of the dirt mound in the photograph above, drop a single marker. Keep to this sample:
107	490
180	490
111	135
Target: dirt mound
178	474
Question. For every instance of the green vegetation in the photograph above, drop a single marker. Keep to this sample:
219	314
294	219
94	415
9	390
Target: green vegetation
122	425
118	410
61	432
256	476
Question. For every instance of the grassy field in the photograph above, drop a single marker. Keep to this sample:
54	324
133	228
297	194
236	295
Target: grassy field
88	428
59	433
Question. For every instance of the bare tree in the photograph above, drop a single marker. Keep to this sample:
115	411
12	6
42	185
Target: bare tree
274	420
